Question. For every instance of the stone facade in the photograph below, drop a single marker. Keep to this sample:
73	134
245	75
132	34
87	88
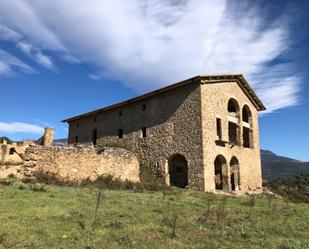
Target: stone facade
175	132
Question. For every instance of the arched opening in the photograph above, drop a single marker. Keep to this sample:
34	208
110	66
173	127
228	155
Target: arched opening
178	171
246	114
233	107
233	121
221	174
12	151
247	134
235	176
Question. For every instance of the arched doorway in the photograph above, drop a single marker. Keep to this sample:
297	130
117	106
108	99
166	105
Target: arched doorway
178	171
235	177
221	173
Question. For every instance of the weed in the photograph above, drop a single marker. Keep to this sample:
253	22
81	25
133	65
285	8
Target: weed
37	188
251	203
221	212
125	240
21	186
12	176
98	202
5	182
116	224
49	178
209	200
2	238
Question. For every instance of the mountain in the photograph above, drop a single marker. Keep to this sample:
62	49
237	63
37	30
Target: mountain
9	141
275	166
60	142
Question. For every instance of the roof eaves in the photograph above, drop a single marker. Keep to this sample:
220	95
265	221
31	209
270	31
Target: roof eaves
141	97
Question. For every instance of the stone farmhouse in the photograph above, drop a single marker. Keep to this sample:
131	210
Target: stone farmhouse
200	133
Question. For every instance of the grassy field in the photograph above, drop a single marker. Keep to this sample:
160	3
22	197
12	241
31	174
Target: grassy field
45	216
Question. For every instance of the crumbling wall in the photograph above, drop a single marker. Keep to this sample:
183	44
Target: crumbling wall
48	137
78	163
10	153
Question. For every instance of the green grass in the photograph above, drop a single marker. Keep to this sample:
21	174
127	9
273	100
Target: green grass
47	216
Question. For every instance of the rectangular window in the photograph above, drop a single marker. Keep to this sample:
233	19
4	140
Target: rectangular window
94	137
120	113
77	124
246	137
76	139
144	107
95	119
219	129
233	133
120	133
144	132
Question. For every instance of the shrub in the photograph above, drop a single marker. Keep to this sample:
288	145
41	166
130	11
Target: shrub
294	188
5	182
50	178
148	179
37	188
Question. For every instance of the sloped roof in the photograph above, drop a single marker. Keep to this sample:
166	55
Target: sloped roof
205	79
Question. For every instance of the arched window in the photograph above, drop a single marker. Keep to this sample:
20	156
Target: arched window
233	107
247	132
233	121
221	173
235	176
246	114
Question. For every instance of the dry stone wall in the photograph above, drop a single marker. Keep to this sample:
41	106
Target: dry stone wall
75	164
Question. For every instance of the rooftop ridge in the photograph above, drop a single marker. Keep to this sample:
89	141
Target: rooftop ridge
239	78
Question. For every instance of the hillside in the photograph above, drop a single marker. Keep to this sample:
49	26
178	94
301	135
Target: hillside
274	166
46	216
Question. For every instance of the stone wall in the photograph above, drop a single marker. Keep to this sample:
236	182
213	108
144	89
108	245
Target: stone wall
75	164
48	137
79	163
173	126
10	153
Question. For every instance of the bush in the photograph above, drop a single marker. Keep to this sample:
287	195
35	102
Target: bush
49	178
149	181
294	188
37	188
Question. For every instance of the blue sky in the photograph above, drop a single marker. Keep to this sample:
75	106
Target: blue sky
85	56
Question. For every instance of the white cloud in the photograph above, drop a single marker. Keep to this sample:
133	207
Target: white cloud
27	48
18	127
94	76
155	42
36	54
8	34
8	64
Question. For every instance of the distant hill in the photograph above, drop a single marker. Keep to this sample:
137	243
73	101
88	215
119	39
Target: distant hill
9	141
273	166
60	142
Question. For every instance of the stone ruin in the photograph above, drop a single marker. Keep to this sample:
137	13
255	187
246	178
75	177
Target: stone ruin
68	163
